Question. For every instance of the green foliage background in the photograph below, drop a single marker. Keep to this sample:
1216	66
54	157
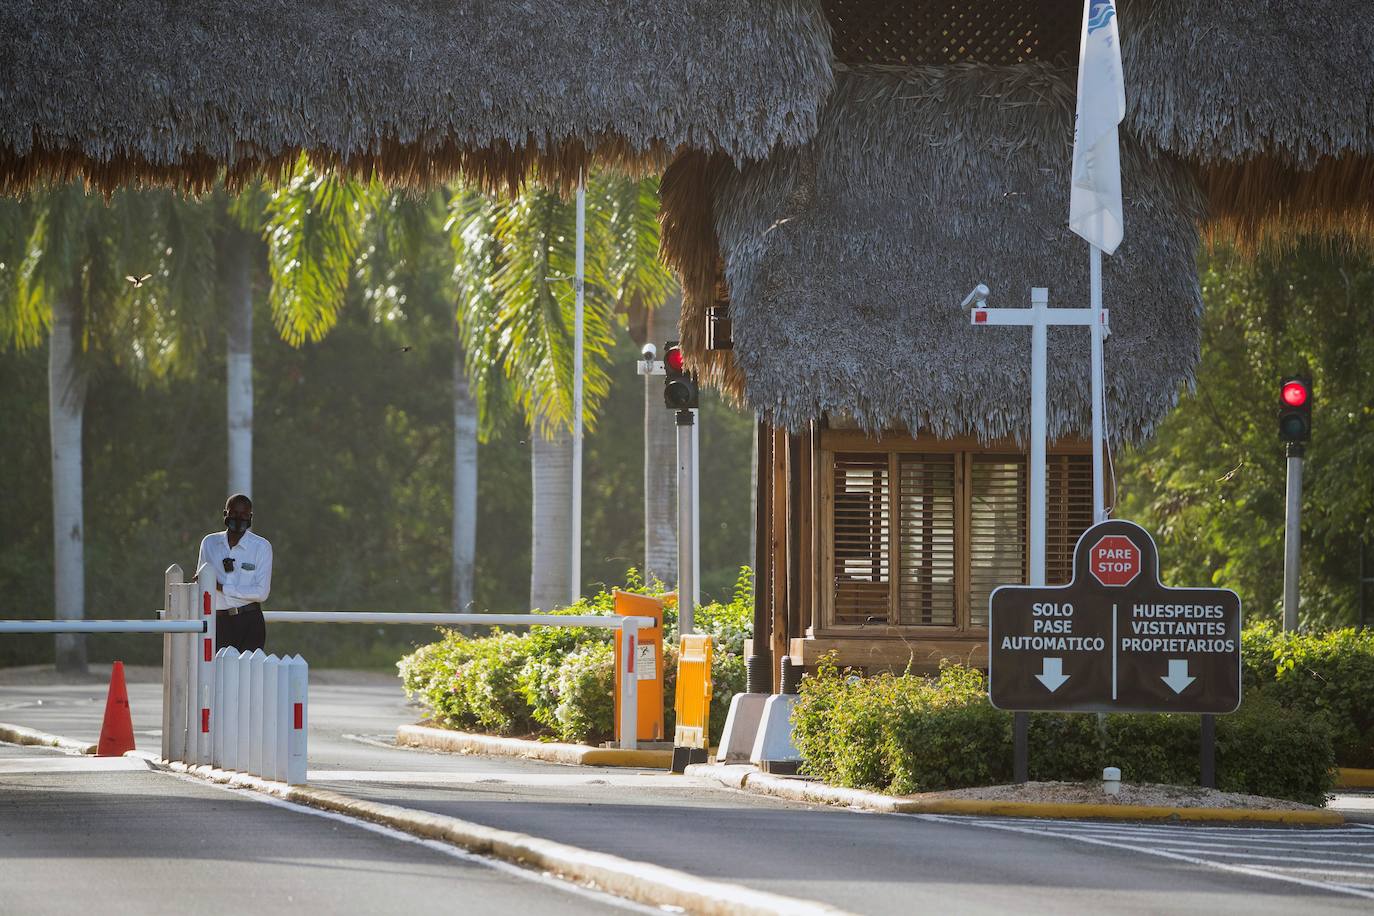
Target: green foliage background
1210	483
353	459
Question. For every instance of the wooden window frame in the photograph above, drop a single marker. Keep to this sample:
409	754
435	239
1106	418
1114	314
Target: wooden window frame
827	442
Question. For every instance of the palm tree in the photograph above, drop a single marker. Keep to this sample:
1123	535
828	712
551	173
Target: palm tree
104	281
516	256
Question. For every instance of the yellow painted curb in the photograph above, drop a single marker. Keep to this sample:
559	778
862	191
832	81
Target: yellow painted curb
1119	812
454	742
18	734
799	790
642	882
1352	778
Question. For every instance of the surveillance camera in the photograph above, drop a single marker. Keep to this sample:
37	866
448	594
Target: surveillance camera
979	296
649	351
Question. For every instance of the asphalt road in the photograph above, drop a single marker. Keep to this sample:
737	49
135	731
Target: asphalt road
865	863
92	835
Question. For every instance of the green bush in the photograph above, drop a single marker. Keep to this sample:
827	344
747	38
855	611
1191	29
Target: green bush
908	734
558	681
585	704
1330	675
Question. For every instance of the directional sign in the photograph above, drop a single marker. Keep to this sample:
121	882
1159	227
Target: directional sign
1114	639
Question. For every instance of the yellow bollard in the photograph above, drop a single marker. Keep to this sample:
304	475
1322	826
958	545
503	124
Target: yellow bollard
692	701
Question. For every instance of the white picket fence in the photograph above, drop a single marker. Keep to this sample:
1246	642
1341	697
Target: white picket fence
262	716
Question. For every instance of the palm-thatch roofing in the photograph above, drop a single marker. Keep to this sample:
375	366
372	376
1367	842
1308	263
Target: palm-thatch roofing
1271	102
161	92
845	260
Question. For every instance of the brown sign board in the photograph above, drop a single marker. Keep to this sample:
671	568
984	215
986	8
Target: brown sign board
1115	639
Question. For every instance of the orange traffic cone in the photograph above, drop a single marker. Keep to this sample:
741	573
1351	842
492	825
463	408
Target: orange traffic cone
117	732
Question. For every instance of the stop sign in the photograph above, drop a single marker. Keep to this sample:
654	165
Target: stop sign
1114	560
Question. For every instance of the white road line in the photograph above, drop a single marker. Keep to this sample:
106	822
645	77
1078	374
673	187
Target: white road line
456	852
1154	851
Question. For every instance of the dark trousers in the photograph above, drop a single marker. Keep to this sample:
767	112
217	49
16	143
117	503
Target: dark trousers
244	631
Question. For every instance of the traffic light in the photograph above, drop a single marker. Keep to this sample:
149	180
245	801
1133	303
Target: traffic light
679	385
1295	409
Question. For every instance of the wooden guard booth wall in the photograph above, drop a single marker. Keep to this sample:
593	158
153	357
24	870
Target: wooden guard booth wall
884	551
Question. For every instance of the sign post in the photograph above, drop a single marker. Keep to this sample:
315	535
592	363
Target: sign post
1115	639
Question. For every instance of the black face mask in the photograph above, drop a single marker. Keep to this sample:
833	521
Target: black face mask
238	525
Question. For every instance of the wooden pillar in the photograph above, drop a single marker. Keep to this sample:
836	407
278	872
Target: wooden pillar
806	534
795	445
777	537
760	659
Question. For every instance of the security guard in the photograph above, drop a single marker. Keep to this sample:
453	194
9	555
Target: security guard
242	563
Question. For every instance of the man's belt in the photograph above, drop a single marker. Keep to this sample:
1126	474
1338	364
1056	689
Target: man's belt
234	611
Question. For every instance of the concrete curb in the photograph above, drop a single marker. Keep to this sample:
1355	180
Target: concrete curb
18	734
442	739
1352	778
638	881
750	780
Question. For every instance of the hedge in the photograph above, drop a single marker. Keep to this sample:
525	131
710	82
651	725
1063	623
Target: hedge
557	682
906	734
1328	675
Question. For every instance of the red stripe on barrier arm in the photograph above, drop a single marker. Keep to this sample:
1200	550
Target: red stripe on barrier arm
209	652
630	657
204	720
299	713
205	602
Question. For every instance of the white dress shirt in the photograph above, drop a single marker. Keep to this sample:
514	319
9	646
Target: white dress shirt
251	579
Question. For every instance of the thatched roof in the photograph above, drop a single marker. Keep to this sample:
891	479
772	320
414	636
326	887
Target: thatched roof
161	92
846	260
1270	100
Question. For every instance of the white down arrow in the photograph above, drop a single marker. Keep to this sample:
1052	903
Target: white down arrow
1178	677
1052	676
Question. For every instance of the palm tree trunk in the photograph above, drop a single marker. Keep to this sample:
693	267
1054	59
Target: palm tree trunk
464	484
660	460
66	404
551	542
240	362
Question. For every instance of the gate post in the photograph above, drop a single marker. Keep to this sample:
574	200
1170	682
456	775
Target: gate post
629	684
204	662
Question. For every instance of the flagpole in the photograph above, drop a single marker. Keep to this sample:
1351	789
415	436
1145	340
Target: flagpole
580	280
1098	383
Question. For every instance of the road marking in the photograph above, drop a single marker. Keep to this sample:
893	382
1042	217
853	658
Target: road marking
456	852
450	777
69	763
1180	844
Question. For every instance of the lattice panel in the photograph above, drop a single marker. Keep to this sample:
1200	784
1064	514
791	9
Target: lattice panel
926	558
914	32
862	569
997	529
1069	505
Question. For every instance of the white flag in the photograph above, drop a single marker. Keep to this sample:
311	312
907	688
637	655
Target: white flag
1095	201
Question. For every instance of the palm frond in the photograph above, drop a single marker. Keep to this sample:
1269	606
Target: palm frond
312	230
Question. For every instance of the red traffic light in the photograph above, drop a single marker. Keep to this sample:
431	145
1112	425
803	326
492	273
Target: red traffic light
1295	394
673	359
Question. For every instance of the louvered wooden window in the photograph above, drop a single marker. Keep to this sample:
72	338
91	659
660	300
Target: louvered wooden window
863	538
1069	503
925	559
997	528
921	539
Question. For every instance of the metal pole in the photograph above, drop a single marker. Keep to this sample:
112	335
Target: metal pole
1292	536
686	496
629	684
1099	442
1208	750
1020	741
696	510
580	281
1039	301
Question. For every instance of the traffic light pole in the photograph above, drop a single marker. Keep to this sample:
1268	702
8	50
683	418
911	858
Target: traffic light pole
1292	535
686	521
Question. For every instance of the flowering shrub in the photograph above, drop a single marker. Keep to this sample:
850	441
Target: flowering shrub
558	681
